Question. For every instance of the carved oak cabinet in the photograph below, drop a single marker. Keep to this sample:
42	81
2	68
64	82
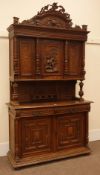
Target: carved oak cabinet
47	121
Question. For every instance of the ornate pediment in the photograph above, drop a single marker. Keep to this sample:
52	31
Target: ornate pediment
53	16
50	16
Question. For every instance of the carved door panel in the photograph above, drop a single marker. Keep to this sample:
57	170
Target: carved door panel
70	131
26	57
75	59
52	58
36	135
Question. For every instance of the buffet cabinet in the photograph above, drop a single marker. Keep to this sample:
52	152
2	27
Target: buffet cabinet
47	120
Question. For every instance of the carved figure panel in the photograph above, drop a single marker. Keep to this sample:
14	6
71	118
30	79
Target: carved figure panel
51	61
53	57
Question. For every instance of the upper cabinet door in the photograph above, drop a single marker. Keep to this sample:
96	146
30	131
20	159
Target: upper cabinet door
52	58
26	57
75	59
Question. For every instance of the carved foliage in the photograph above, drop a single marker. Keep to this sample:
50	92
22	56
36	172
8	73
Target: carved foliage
51	16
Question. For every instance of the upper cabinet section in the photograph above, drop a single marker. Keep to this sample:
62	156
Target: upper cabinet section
47	47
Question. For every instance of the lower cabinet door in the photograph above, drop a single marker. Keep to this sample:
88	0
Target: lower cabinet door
36	135
71	130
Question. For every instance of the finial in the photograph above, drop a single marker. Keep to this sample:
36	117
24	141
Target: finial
15	20
84	27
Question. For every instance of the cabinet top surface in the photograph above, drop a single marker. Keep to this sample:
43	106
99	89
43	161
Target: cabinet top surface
49	104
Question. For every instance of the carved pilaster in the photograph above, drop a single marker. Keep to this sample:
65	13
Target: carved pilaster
37	58
17	143
66	58
16	60
14	87
83	60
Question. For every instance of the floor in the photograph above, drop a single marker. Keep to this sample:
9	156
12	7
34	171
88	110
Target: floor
83	165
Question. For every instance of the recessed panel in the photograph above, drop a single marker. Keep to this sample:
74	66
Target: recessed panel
52	57
36	135
75	58
70	131
27	57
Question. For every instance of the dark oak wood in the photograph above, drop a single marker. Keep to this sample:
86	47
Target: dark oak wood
46	119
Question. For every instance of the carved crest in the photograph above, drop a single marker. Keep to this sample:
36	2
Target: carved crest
51	16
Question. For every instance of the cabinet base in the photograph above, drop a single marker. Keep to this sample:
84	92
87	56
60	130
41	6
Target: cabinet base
48	157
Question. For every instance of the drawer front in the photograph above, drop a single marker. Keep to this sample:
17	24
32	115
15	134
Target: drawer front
72	109
57	110
36	112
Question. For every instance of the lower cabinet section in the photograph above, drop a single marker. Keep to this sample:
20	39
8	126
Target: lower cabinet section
36	139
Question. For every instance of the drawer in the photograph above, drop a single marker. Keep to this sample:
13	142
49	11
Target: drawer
72	109
36	112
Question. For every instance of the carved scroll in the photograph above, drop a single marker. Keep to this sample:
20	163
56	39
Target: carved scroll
52	16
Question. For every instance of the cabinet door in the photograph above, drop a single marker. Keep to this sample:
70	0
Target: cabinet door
36	135
75	59
52	58
71	131
26	57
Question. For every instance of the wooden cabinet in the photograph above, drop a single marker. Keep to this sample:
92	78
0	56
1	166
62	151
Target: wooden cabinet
46	119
